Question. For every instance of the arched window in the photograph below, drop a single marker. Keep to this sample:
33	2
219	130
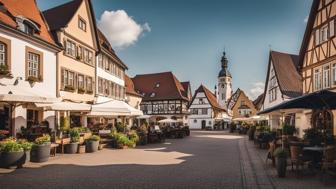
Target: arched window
323	121
3	53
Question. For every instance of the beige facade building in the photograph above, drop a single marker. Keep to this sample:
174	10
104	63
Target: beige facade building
76	32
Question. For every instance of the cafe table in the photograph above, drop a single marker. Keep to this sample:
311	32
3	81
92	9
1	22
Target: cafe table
315	153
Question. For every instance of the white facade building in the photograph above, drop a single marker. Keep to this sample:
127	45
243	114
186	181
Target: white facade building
28	52
205	112
283	82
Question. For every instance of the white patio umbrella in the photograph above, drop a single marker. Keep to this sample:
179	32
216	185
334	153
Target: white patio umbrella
168	120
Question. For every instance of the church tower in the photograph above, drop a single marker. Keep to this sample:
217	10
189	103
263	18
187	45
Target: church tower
224	83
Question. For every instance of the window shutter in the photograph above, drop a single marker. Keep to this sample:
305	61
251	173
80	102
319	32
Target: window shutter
75	80
62	78
64	46
317	37
331	28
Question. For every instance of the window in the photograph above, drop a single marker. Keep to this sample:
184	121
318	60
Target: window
70	48
324	33
71	78
79	53
28	29
317	80
100	85
204	111
334	74
33	65
201	101
326	76
194	111
89	84
242	103
82	24
80	81
3	52
195	120
100	61
272	93
107	88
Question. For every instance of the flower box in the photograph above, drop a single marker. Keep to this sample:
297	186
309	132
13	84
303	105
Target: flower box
69	88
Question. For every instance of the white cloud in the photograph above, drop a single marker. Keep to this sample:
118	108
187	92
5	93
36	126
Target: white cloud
120	28
256	90
306	19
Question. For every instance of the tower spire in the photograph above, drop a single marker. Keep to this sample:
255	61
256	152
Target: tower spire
224	60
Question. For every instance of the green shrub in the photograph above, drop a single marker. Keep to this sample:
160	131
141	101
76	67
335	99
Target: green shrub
120	127
25	145
74	135
42	140
133	136
281	152
10	146
288	129
123	140
113	132
65	123
93	138
82	129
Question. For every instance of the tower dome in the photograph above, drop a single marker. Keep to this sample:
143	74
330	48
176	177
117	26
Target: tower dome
224	72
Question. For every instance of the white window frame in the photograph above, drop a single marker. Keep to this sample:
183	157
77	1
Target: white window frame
317	79
326	76
34	61
3	54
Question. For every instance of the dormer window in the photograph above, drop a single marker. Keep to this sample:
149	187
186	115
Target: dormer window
27	26
152	95
157	85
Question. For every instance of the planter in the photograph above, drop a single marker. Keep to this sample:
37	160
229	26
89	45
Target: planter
91	146
281	166
12	159
40	153
27	156
71	148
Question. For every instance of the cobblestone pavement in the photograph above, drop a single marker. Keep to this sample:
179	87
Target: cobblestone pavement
206	159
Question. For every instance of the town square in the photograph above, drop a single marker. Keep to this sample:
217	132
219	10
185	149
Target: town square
167	94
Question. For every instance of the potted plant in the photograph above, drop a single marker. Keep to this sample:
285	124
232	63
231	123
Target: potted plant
72	148
81	90
64	125
4	71
288	130
143	134
123	141
281	155
69	88
133	137
12	154
312	136
92	143
27	146
41	149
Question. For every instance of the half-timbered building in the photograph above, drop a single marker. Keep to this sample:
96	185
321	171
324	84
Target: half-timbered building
318	60
240	105
164	96
205	111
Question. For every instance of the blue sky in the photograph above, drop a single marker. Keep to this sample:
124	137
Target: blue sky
188	37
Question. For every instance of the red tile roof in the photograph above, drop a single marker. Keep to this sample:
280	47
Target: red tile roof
129	85
29	10
258	101
159	86
210	96
187	89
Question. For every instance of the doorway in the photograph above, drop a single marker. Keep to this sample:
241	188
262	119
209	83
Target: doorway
203	124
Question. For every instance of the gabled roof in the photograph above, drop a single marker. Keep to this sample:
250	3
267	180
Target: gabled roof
27	9
187	91
58	17
286	71
210	96
129	85
159	86
309	28
258	101
105	45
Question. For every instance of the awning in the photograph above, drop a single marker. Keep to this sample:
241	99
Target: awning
23	94
114	108
144	117
324	99
168	120
65	106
